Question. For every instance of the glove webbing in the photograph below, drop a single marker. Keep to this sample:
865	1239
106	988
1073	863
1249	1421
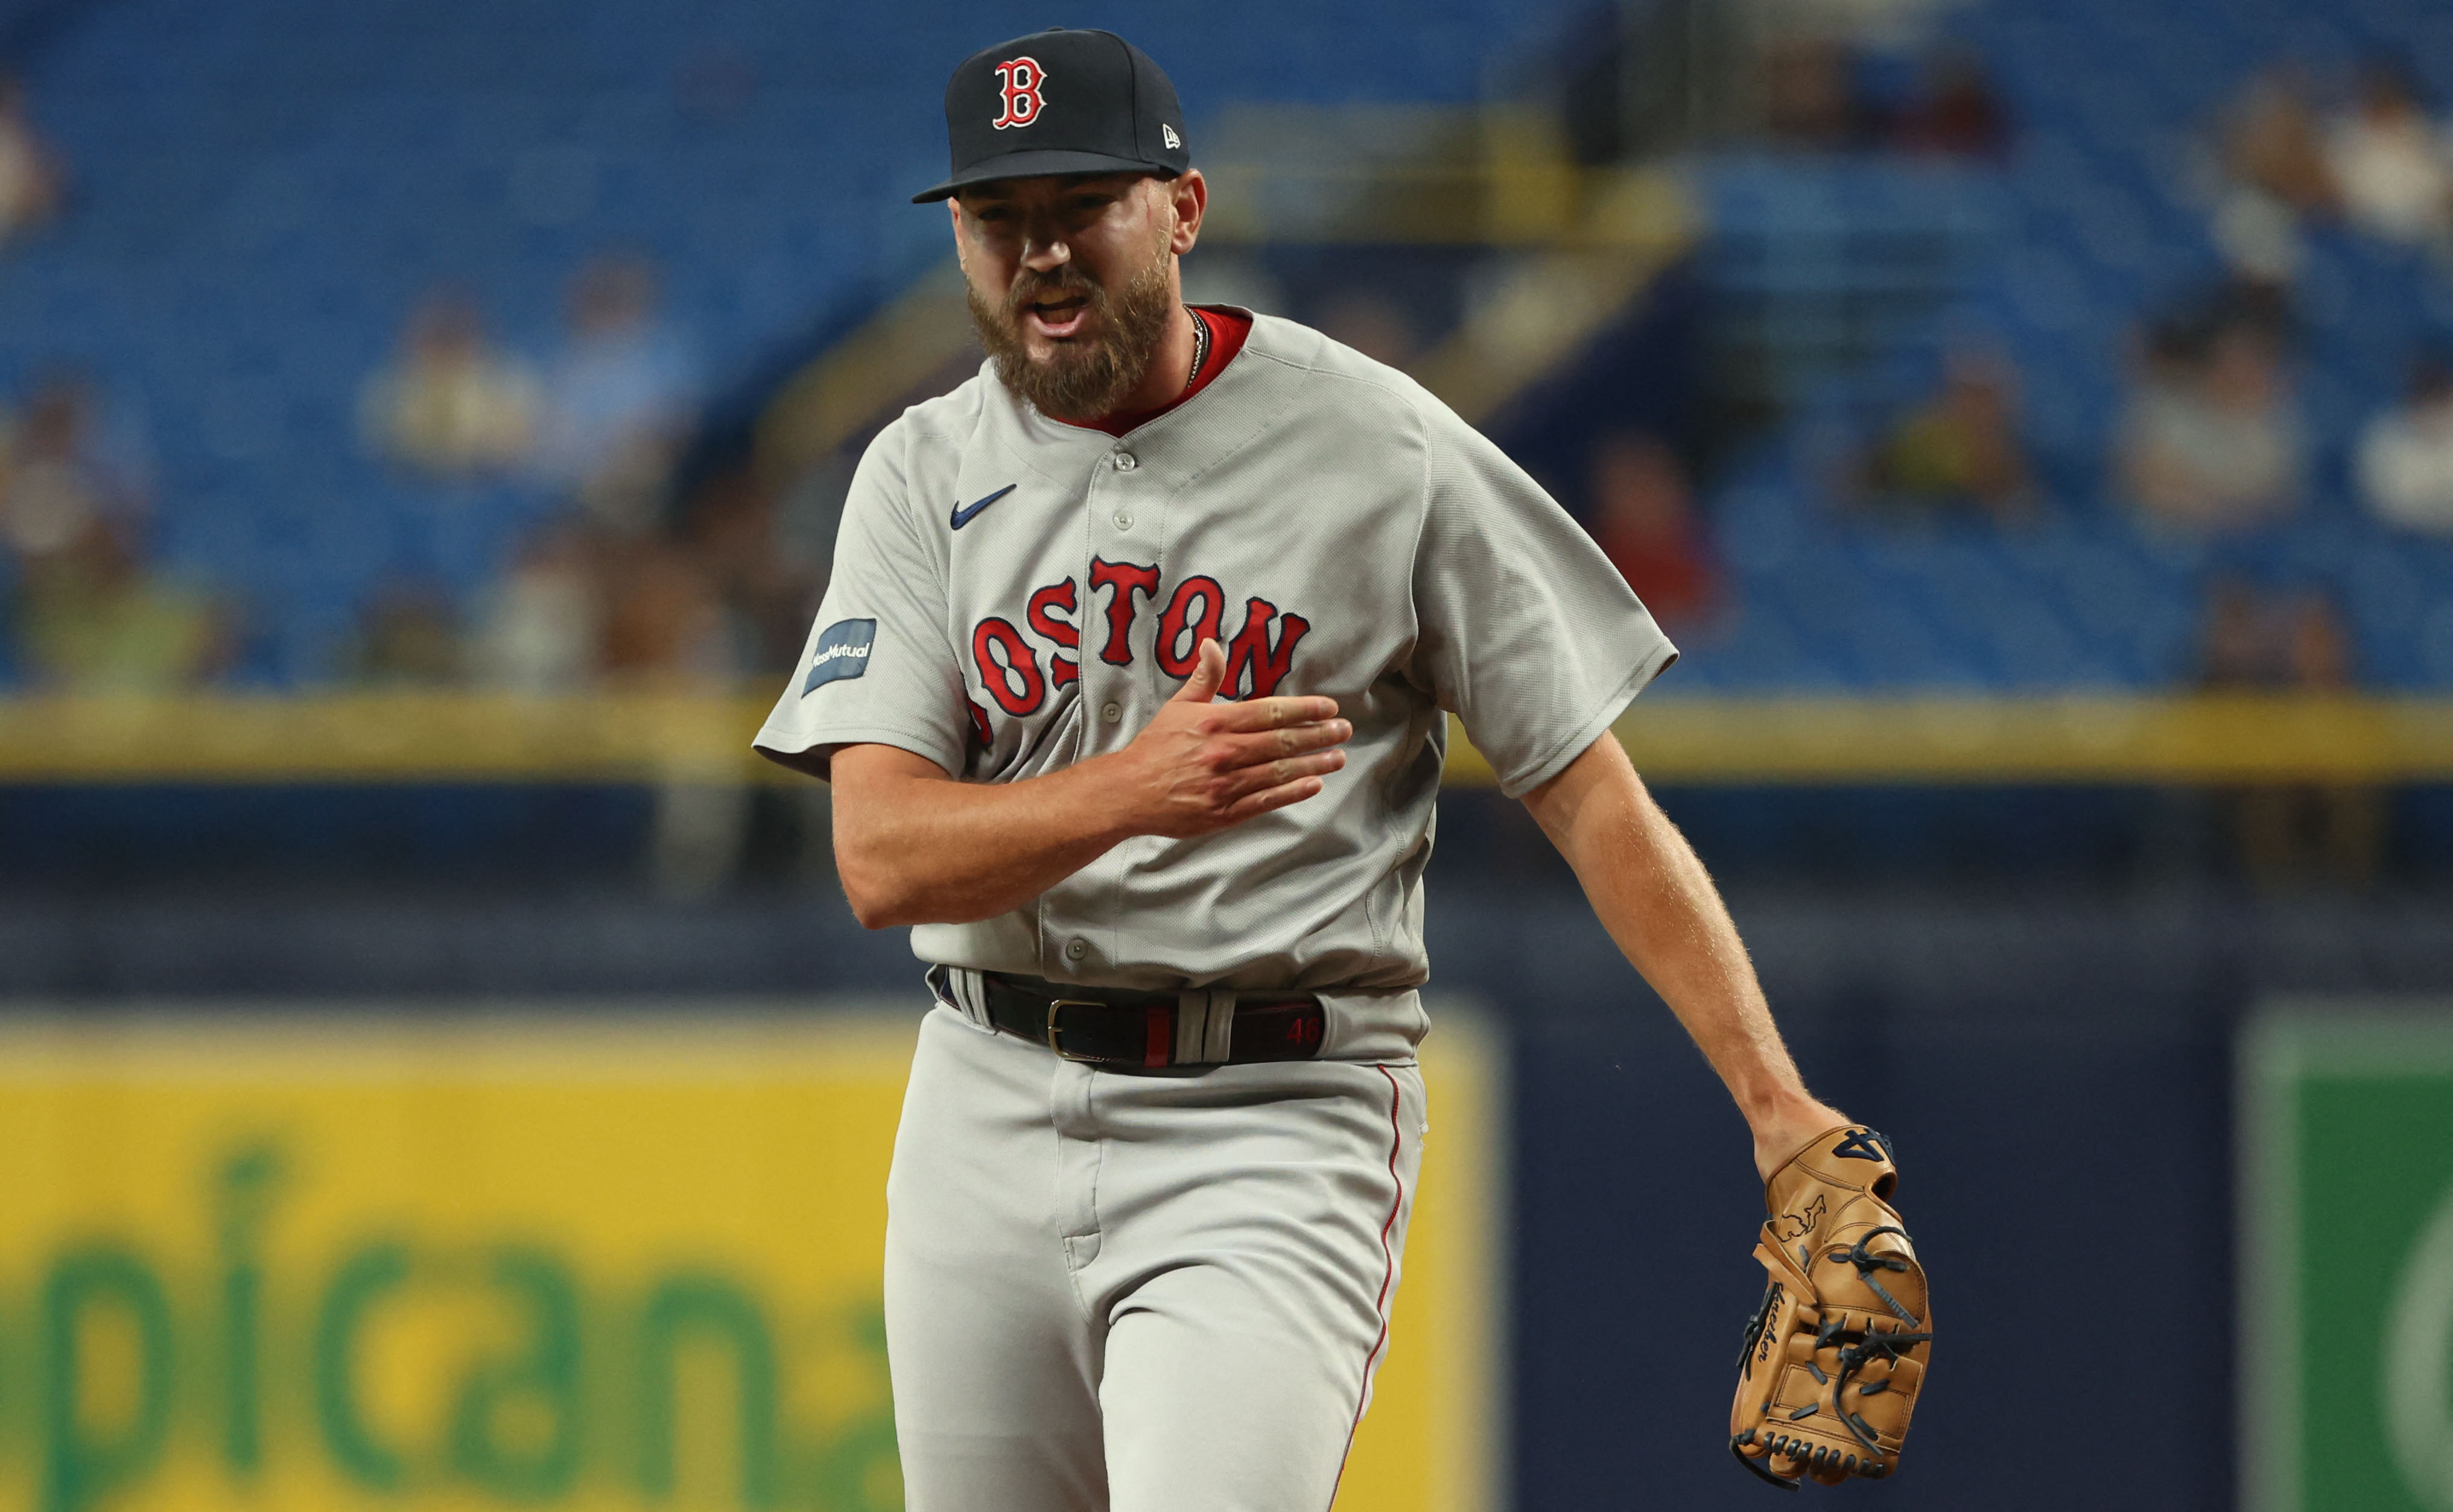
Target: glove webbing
1871	1344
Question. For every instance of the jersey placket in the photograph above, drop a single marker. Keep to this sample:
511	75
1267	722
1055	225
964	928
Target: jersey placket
1120	524
1116	528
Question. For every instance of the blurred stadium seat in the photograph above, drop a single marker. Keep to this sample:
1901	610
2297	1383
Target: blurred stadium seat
263	195
263	192
1842	280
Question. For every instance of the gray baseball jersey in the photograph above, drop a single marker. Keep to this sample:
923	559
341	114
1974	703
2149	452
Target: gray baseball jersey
1011	595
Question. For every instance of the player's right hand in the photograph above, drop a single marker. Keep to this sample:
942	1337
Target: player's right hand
1203	765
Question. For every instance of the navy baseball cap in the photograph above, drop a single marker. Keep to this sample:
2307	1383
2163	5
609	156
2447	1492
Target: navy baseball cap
1060	102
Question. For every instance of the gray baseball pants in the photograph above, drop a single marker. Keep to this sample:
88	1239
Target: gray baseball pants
1139	1292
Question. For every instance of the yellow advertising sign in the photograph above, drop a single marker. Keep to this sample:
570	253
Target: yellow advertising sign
487	1262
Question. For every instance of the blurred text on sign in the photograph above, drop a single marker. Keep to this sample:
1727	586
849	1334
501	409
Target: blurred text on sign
475	1260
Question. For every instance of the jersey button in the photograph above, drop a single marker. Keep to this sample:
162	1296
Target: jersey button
1111	712
1124	521
1127	461
1076	949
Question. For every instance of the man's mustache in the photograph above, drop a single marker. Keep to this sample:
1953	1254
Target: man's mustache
1045	285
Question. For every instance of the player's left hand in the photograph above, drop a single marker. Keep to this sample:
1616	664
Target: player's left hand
1836	1352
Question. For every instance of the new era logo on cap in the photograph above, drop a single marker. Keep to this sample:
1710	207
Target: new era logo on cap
1168	135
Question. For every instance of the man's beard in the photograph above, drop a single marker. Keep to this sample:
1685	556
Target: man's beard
1081	379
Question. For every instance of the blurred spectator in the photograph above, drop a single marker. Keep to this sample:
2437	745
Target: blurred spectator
2261	306
30	180
663	621
2272	162
2233	646
2284	832
543	625
408	635
63	471
1809	93
89	618
2255	642
2390	163
2213	439
2272	143
768	583
1644	518
2258	237
666	630
92	620
1961	447
619	399
450	405
2405	455
1957	110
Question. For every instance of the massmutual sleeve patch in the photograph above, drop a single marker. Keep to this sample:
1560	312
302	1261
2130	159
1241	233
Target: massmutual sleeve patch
843	652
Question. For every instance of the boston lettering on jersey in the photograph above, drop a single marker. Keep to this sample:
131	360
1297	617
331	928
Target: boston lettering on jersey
1259	652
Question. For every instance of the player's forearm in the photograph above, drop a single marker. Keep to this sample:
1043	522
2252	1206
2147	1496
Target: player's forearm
1652	894
916	847
926	849
1654	897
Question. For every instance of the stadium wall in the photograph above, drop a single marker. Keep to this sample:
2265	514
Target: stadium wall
2056	1068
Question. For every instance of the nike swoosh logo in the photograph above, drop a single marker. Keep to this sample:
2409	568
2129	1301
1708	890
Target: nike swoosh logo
963	516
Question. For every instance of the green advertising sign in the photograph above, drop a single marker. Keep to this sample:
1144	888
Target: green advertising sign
2345	1335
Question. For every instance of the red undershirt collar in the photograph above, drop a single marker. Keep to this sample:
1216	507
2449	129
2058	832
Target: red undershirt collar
1227	329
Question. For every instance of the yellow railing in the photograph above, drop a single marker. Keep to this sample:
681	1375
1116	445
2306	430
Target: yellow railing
648	737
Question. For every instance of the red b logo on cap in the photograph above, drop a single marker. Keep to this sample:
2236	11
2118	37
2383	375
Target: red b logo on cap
1023	78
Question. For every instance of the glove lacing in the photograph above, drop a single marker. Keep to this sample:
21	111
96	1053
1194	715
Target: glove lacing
1872	1343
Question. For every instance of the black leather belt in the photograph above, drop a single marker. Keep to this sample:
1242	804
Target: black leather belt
1120	1027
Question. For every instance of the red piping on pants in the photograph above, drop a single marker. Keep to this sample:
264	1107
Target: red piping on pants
1387	1274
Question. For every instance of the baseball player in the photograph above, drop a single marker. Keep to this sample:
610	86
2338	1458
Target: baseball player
1132	682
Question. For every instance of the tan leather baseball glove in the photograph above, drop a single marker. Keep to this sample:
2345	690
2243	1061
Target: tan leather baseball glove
1836	1354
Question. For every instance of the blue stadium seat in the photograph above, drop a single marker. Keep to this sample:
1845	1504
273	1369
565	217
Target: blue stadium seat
264	189
2103	228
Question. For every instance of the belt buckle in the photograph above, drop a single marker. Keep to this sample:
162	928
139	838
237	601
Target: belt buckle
1055	1036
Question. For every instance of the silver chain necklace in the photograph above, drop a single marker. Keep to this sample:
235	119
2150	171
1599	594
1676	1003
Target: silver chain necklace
1200	346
